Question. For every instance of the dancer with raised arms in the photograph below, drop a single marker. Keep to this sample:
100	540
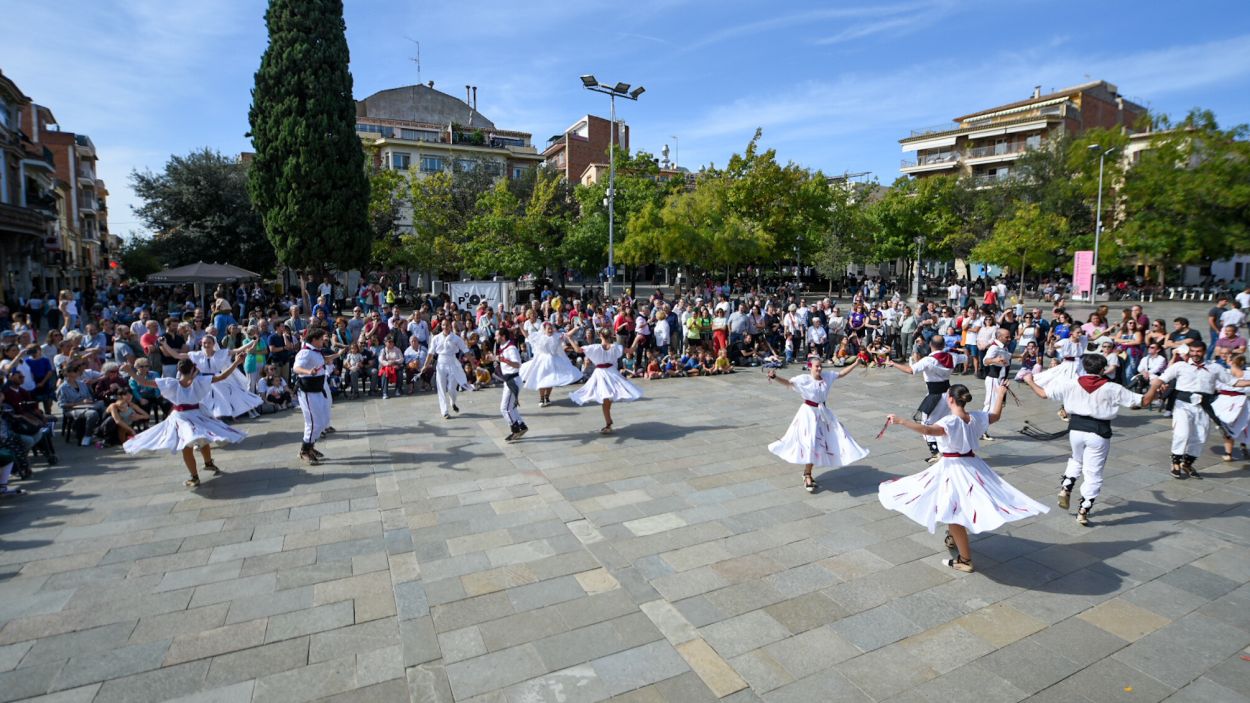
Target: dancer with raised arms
815	436
1091	403
606	384
550	366
445	350
187	426
230	398
960	490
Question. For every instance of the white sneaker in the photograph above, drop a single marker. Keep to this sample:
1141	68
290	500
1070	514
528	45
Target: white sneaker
86	442
385	397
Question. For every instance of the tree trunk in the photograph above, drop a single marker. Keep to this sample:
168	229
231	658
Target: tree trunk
1022	269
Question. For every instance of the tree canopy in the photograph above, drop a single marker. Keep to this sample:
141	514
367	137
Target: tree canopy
199	210
308	178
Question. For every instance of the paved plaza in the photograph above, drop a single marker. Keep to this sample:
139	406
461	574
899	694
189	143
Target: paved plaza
674	561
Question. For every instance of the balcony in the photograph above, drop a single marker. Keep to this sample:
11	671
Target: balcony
85	147
937	161
86	175
989	180
932	129
1006	149
88	206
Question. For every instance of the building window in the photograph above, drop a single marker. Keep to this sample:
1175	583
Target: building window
518	172
6	116
493	168
401	160
466	165
375	129
431	164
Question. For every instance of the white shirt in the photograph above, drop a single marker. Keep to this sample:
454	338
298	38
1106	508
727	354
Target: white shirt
1232	316
511	353
996	350
310	358
1103	404
817	391
1152	365
447	346
419	329
931	371
816	334
952	292
661	333
1197	378
986	335
1069	349
1243	299
962	437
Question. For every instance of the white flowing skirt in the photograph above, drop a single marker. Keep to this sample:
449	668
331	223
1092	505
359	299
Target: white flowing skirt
958	491
816	437
231	398
183	428
548	371
1232	410
1065	371
606	384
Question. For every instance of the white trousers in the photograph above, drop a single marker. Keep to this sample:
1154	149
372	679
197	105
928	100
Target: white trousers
1189	428
316	410
991	388
447	380
1089	456
508	406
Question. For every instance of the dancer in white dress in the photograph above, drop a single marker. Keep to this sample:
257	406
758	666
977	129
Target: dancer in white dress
230	398
960	490
1232	410
606	384
550	366
815	436
187	426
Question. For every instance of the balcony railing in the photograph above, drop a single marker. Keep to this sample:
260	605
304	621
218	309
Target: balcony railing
944	157
987	179
932	129
979	152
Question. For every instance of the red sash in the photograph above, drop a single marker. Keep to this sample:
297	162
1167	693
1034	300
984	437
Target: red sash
957	454
604	366
944	360
183	408
808	402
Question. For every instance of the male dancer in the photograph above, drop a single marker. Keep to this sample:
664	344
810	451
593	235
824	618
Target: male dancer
313	392
509	358
996	360
1196	386
447	346
1091	402
935	369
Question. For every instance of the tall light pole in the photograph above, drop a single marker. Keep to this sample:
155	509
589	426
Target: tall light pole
1093	286
621	90
916	283
676	152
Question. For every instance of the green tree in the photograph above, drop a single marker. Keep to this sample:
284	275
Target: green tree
308	178
1029	237
388	191
921	209
848	238
138	257
199	209
1187	199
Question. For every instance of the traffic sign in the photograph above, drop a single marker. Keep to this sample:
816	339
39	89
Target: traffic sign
611	271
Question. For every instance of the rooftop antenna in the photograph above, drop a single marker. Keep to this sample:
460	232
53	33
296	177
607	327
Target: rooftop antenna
416	59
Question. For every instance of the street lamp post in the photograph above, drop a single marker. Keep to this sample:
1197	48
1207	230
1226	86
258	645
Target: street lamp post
613	92
676	152
1093	286
915	294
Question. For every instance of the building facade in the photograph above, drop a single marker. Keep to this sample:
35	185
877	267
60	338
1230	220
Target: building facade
53	216
984	145
583	144
427	131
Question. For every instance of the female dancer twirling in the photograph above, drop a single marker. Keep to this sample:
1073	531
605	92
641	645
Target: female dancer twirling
230	398
606	384
549	367
187	426
960	490
815	436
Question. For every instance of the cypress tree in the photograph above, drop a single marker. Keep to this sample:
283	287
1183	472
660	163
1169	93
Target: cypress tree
308	179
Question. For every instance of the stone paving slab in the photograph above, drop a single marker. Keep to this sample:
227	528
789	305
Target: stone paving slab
675	560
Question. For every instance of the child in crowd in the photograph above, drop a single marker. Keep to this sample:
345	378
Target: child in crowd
880	352
844	354
722	364
1030	361
789	347
274	389
653	366
691	365
354	370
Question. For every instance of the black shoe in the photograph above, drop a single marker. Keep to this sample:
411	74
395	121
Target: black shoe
446	416
455	407
520	431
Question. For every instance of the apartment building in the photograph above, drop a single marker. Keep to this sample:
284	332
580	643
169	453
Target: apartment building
583	144
425	130
984	145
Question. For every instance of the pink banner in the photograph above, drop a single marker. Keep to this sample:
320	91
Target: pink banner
1082	271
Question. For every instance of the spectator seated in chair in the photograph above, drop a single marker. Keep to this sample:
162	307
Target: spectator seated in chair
82	411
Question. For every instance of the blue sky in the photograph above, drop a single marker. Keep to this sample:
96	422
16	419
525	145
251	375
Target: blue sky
834	85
